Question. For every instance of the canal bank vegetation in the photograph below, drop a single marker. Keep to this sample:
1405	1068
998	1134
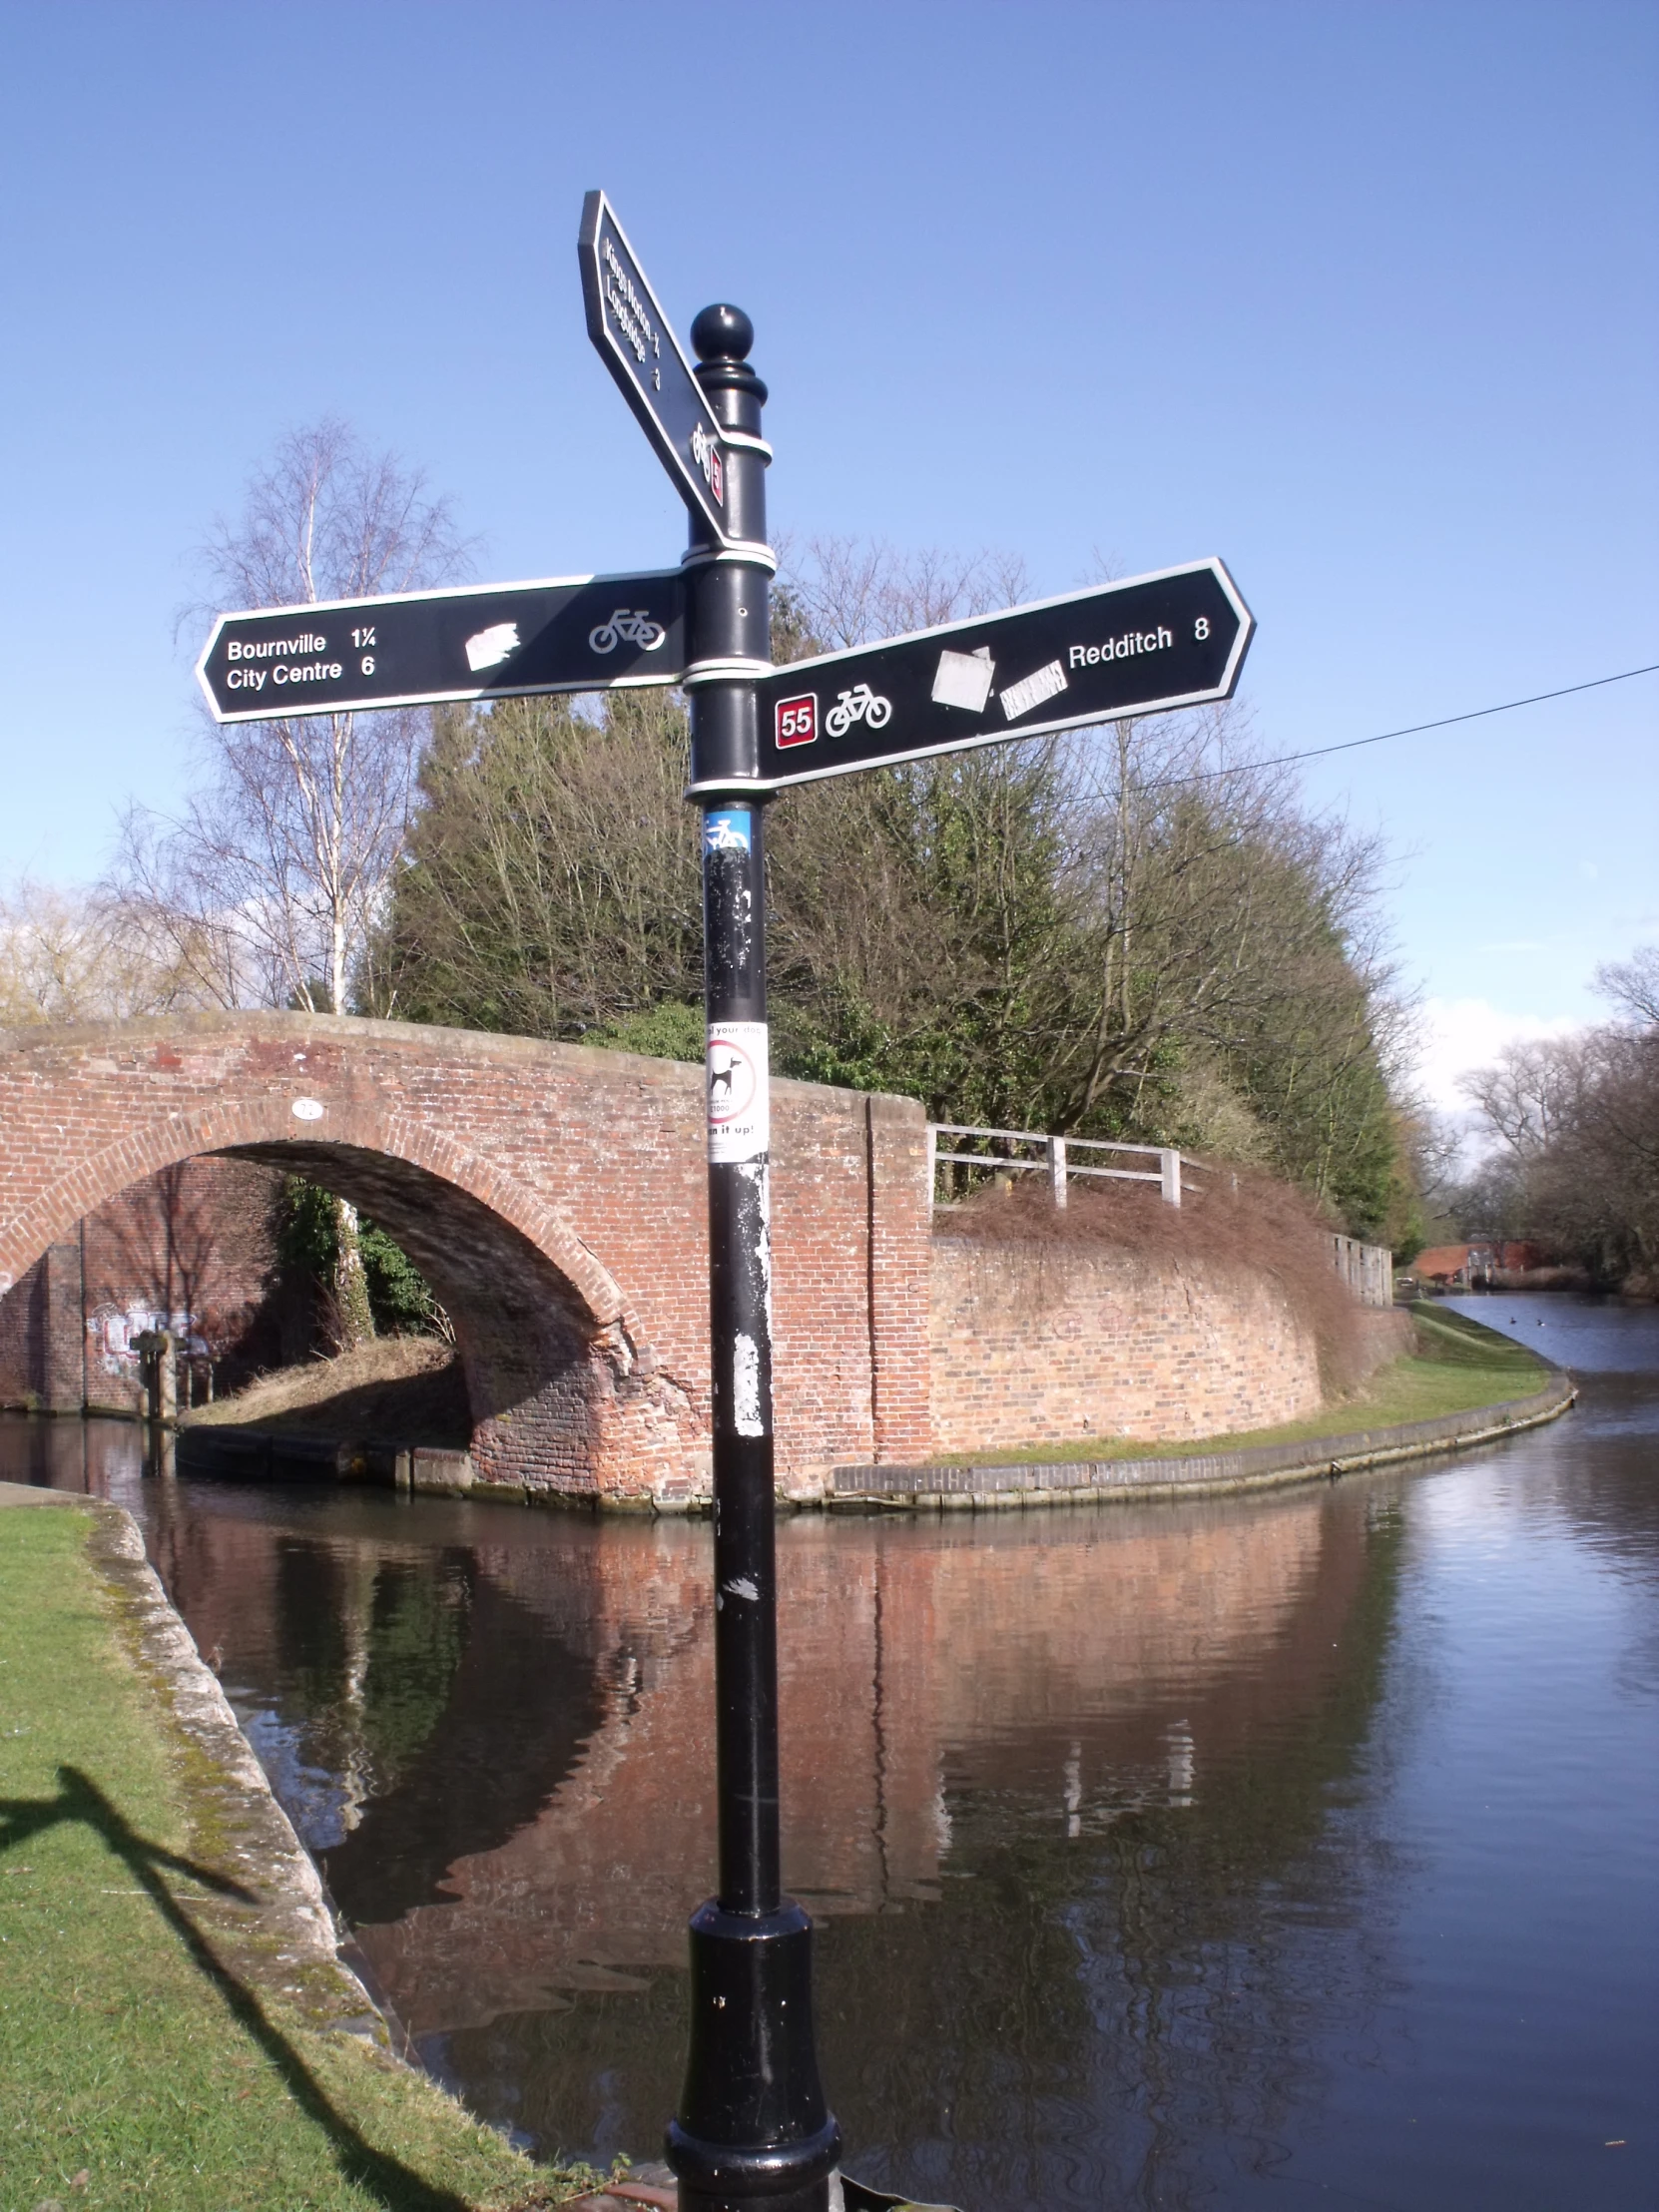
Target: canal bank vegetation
1230	1219
1456	1366
158	2051
1573	1125
335	1269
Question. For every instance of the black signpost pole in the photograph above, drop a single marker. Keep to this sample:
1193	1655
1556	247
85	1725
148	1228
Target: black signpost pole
752	2124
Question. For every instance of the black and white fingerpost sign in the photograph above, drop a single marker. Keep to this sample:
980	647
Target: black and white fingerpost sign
419	649
1176	639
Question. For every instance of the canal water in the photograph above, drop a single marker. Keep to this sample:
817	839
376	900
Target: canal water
1292	1849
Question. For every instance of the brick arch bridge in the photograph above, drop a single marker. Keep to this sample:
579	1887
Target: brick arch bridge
553	1195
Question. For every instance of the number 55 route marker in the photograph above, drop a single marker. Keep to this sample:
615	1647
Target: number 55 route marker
1174	639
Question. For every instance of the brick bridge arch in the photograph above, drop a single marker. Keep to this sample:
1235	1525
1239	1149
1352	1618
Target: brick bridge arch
552	1195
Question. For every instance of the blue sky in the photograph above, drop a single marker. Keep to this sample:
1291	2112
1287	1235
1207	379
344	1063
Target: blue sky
1359	295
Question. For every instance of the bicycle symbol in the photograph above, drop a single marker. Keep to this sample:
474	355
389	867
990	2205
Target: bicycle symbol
705	454
636	628
859	704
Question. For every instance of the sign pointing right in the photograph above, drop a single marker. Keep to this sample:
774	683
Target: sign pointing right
1174	639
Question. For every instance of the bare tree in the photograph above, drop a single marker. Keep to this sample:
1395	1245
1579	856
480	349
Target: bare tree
76	956
841	592
269	883
1528	1094
273	875
1633	984
1577	1124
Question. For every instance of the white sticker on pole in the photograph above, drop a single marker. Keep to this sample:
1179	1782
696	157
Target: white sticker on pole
739	1101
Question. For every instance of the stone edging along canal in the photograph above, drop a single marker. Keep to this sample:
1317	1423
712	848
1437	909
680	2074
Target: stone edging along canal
947	1486
938	1485
283	1938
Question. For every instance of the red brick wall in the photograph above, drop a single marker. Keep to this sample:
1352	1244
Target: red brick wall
24	1335
43	1362
1053	1343
188	1250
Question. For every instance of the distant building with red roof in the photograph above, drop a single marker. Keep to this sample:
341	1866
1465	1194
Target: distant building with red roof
1467	1266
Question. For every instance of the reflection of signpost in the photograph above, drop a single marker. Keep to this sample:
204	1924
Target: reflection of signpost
753	2123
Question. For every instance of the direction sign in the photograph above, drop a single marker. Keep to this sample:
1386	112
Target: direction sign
1174	639
643	354
417	648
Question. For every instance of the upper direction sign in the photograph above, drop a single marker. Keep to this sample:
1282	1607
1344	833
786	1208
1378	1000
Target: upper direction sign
1174	639
643	354
417	649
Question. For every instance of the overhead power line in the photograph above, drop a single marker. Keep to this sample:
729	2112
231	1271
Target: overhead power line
1413	729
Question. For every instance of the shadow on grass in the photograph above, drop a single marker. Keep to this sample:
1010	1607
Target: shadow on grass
79	1798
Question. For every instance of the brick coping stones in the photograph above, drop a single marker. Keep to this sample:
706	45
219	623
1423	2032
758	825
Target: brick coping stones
954	1485
283	1933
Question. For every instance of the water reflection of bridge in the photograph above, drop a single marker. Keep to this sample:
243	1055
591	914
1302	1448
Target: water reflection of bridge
521	1717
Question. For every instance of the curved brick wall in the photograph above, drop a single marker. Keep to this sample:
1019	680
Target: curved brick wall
1059	1342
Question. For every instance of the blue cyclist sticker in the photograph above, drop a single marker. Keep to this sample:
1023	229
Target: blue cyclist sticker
728	832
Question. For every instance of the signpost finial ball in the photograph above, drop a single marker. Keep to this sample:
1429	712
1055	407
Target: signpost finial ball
722	333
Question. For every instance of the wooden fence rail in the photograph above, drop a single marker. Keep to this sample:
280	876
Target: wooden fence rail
1367	1269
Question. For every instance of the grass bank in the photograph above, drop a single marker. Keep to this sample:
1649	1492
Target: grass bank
1456	1365
157	2050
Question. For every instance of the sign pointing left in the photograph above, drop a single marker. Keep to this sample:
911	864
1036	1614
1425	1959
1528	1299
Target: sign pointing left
421	648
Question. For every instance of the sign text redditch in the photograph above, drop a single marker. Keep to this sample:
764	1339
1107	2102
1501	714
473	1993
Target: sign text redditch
1134	640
